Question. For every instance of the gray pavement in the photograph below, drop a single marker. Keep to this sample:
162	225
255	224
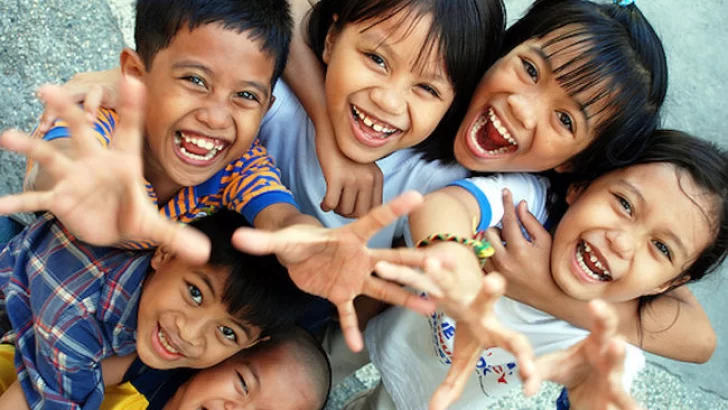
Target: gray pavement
48	41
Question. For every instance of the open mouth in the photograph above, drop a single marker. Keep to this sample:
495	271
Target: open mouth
198	149
372	131
592	262
489	138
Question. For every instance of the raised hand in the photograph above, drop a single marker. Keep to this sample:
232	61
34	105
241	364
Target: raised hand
471	304
99	193
337	265
592	369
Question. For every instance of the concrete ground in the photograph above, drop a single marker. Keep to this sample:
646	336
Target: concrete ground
49	40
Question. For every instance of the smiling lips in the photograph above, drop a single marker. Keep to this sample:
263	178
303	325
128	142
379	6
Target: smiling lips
198	149
166	347
488	137
371	131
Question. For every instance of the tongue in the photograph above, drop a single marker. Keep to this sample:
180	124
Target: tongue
489	139
194	149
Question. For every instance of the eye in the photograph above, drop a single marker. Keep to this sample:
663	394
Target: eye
248	96
624	204
566	121
242	382
228	333
429	90
195	80
663	249
377	60
530	69
195	293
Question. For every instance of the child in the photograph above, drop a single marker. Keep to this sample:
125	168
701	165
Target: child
250	378
617	241
72	305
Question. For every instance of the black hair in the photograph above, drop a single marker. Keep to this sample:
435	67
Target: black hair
265	21
707	166
468	34
258	289
311	355
620	66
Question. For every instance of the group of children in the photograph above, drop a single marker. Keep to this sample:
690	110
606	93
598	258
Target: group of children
538	148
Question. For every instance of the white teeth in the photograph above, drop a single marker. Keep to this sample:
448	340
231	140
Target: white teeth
165	343
580	254
210	146
372	123
500	127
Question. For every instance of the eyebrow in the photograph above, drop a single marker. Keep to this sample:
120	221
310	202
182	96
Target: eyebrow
671	235
206	278
547	60
189	64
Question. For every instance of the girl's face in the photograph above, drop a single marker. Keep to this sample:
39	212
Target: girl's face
383	92
631	233
520	118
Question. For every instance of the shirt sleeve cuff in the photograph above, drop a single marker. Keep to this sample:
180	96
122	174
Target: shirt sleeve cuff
260	202
485	210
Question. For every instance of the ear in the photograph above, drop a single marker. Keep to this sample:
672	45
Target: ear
564	168
161	256
673	283
330	41
131	63
574	192
272	100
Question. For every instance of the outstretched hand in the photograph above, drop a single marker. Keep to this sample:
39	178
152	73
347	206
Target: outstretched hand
592	369
337	265
471	304
99	194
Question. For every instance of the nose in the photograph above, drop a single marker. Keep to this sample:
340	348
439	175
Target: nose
389	99
192	332
523	110
216	113
621	243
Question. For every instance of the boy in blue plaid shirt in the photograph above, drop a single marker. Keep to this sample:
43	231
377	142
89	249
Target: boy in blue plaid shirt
72	305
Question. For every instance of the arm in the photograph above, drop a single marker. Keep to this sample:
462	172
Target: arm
352	189
13	398
670	324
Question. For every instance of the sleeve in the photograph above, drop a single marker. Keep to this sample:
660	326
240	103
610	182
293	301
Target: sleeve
256	184
488	192
66	371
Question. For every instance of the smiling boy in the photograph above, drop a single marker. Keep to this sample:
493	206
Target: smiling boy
72	305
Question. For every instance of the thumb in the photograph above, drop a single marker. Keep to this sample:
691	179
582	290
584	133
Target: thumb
256	242
186	242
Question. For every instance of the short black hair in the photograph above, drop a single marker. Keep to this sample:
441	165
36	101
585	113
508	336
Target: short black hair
468	34
266	21
620	55
258	288
311	355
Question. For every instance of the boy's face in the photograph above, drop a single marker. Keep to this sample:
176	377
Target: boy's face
269	379
382	92
520	118
630	233
182	321
207	94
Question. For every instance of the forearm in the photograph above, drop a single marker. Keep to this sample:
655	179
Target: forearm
278	216
14	398
448	210
38	178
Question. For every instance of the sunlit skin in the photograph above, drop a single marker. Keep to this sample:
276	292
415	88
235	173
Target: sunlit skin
373	75
545	126
181	307
209	84
268	379
644	225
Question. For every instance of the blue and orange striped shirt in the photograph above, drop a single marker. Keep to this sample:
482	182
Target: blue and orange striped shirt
247	185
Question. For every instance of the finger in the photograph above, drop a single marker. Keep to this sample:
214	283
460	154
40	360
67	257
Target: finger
26	202
511	227
605	320
46	120
331	199
350	326
494	286
39	150
82	134
612	368
186	242
363	203
538	234
518	345
384	215
493	236
460	370
346	202
407	276
128	136
395	295
92	102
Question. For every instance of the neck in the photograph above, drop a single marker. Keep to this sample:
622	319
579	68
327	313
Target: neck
163	185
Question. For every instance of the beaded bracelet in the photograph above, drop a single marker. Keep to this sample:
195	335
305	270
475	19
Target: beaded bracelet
483	249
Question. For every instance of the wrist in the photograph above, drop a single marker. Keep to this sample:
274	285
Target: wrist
482	249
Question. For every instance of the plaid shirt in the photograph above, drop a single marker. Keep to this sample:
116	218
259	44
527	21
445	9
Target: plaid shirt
71	305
